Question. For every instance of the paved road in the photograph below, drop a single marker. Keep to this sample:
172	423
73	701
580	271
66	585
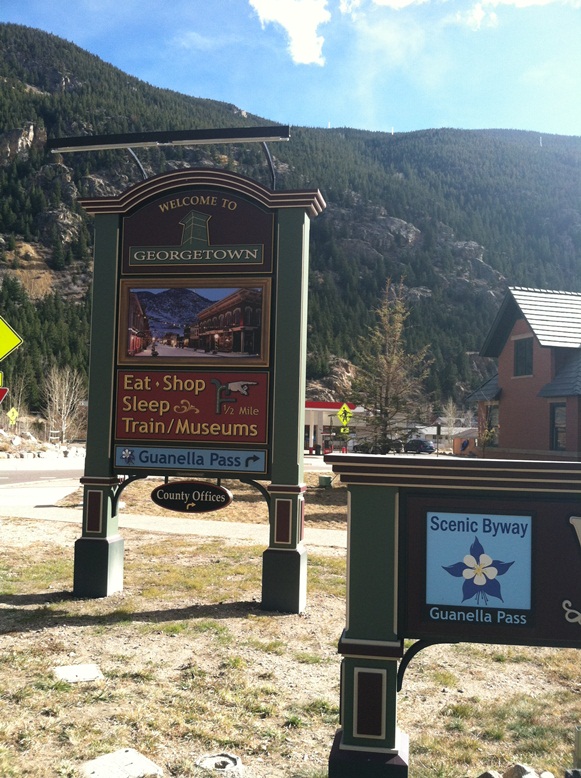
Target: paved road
46	482
24	476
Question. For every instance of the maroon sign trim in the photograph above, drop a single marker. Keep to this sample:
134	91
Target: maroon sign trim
191	496
192	407
201	230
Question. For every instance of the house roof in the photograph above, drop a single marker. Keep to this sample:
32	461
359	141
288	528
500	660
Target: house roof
567	382
554	317
316	405
489	390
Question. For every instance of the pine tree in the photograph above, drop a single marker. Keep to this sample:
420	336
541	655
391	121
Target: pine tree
390	379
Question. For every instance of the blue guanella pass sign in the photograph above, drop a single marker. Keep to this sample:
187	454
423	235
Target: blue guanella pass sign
185	459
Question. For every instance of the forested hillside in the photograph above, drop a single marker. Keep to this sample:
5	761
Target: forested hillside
459	215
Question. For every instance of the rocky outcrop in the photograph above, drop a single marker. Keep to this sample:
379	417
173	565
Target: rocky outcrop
56	181
61	220
337	386
18	142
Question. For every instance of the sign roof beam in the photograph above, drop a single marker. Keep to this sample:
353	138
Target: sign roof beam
168	138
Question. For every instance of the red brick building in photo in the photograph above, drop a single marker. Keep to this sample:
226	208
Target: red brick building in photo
532	408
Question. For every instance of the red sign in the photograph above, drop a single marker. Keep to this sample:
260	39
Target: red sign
191	496
201	229
3	393
192	406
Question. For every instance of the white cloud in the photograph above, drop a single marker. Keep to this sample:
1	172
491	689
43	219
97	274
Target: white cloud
483	14
349	6
476	18
532	3
197	42
398	5
301	20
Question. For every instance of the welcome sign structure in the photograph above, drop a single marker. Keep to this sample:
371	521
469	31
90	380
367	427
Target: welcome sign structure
198	352
447	550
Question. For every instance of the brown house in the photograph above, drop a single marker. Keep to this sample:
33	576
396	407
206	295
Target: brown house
139	334
532	408
233	324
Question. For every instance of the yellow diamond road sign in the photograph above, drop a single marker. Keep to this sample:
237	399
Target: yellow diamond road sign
9	340
344	414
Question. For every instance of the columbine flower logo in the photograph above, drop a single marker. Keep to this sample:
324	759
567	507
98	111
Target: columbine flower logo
128	455
480	573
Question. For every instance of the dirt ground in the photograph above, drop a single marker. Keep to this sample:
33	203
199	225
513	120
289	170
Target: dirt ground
296	655
325	507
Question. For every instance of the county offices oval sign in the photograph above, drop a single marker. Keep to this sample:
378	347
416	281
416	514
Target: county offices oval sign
191	496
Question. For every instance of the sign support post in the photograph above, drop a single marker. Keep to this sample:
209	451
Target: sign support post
284	568
369	744
98	568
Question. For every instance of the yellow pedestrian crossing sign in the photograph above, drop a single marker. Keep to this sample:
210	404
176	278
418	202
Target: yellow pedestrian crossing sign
344	415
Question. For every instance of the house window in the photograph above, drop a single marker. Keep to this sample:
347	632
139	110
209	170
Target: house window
558	426
523	357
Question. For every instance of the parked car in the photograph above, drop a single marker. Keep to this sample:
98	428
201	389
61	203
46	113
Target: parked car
392	444
419	446
382	447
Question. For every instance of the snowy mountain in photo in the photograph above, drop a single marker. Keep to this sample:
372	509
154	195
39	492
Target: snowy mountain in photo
171	309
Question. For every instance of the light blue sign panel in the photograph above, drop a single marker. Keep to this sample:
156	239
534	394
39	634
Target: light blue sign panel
216	460
478	560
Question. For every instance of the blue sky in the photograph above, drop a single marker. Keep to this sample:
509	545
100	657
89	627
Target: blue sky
373	64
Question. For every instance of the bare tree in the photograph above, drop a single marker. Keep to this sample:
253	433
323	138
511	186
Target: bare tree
450	417
390	379
16	399
64	393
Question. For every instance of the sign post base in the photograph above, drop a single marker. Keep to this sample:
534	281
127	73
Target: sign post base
98	566
344	763
284	580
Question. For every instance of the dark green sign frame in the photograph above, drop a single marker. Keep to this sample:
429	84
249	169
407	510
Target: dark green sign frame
197	228
447	550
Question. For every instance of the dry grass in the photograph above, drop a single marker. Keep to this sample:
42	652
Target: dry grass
326	508
193	666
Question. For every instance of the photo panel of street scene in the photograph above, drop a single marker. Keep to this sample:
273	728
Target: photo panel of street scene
207	323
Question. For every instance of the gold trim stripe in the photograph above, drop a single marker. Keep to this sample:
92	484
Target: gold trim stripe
310	199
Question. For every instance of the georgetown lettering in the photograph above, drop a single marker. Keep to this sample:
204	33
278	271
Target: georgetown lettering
164	255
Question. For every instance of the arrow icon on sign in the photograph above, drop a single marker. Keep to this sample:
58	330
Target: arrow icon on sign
9	340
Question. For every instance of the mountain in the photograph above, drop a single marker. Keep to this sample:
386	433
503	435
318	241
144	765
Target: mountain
458	215
171	310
